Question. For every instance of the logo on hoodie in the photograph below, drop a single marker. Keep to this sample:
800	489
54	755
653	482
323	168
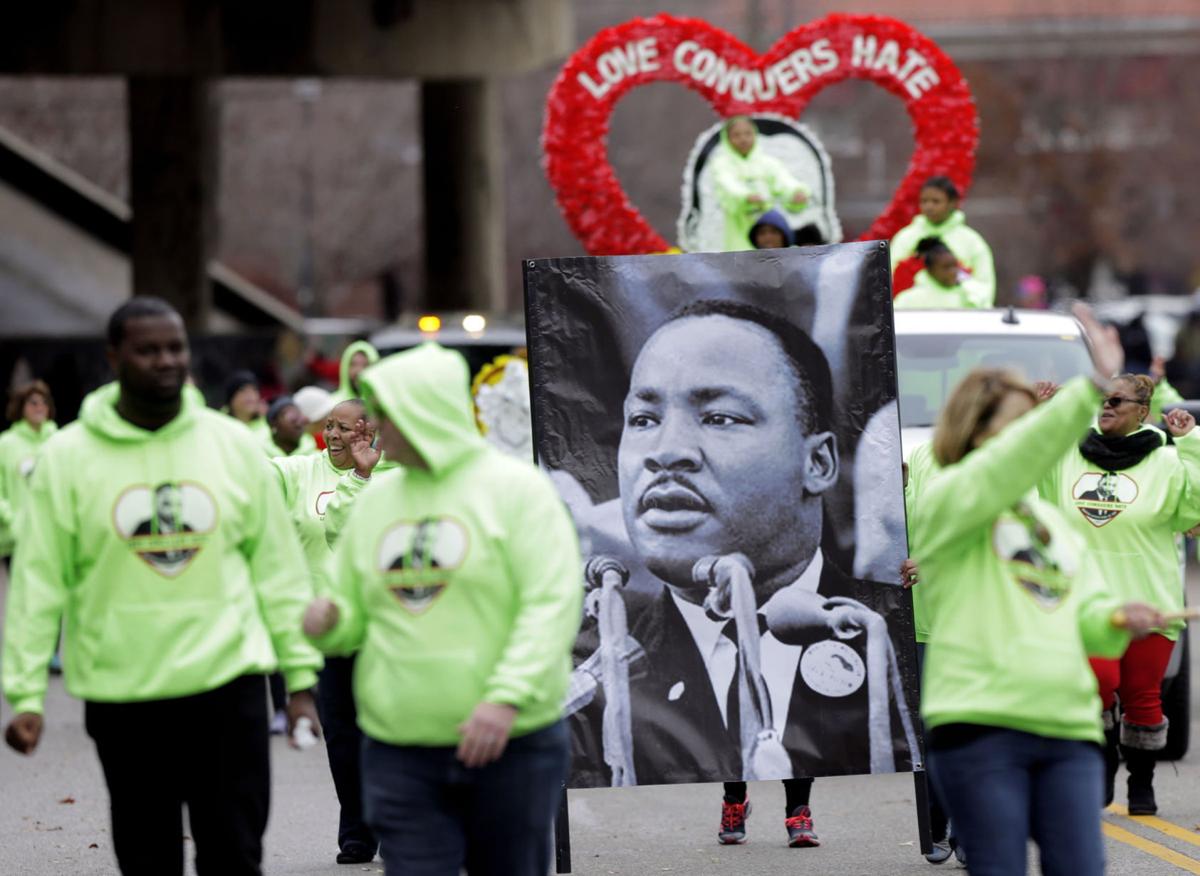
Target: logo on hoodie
417	557
1101	497
167	524
1036	561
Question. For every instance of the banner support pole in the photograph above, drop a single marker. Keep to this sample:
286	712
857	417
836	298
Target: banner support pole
562	836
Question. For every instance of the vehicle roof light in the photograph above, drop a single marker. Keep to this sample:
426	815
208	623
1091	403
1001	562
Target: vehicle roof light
429	324
474	323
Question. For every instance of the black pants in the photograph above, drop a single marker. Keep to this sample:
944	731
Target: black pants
343	745
279	697
939	822
209	751
797	792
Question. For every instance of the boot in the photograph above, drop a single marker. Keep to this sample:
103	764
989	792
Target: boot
1141	781
1112	760
1140	744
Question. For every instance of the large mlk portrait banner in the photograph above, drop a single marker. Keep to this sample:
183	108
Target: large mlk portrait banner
724	430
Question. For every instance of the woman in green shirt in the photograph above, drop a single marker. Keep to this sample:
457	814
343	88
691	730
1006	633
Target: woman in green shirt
1016	606
31	412
1129	490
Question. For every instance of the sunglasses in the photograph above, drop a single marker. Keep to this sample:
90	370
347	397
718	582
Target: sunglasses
1115	401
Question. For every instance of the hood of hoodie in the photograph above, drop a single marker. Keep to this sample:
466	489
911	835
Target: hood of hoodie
426	393
344	388
34	436
99	414
775	219
928	229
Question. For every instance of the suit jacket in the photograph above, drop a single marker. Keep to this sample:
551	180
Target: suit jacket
678	733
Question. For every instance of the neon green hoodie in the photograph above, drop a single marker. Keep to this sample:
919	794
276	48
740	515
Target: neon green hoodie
458	584
965	242
928	293
736	177
307	446
308	482
1016	602
19	446
345	390
168	552
1129	518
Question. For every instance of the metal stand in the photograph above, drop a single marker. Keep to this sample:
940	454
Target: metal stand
921	782
562	836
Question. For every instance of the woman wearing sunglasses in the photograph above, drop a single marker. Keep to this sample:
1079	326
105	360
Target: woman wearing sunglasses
1128	488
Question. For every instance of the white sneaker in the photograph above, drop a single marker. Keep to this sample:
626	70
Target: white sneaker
941	853
279	724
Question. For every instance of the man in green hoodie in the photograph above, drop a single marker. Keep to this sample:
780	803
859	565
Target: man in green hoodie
153	526
457	579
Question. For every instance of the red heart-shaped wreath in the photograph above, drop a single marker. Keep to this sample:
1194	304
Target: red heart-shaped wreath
734	80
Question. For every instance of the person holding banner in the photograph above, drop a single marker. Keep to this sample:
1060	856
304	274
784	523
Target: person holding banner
456	579
763	660
1130	490
1017	604
749	182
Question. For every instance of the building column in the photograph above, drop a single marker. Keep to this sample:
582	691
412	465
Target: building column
462	135
173	151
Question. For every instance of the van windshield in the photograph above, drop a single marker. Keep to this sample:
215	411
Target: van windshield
931	366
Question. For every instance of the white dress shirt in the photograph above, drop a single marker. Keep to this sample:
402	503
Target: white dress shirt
779	661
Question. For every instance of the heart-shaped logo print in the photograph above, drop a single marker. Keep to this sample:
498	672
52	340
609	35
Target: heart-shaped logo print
167	524
1101	496
736	80
416	559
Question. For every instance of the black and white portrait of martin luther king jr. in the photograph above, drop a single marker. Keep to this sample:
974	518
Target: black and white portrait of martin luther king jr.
727	450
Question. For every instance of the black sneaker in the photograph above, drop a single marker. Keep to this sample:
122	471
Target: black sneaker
354	852
733	822
800	829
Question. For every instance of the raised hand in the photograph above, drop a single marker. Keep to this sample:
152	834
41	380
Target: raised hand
1107	352
365	456
1045	389
1158	369
1180	422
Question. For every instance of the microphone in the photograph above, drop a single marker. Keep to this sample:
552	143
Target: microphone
598	570
730	579
718	573
605	577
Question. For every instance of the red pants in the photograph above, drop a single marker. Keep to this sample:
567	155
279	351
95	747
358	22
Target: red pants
1137	677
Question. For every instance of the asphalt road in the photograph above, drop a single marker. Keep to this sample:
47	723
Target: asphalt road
53	817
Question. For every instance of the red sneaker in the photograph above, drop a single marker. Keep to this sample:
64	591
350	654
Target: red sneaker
800	829
733	823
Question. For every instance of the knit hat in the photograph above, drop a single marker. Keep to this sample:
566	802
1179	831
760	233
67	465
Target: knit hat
236	381
277	407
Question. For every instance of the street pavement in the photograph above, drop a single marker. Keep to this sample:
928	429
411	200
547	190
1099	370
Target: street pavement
53	817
